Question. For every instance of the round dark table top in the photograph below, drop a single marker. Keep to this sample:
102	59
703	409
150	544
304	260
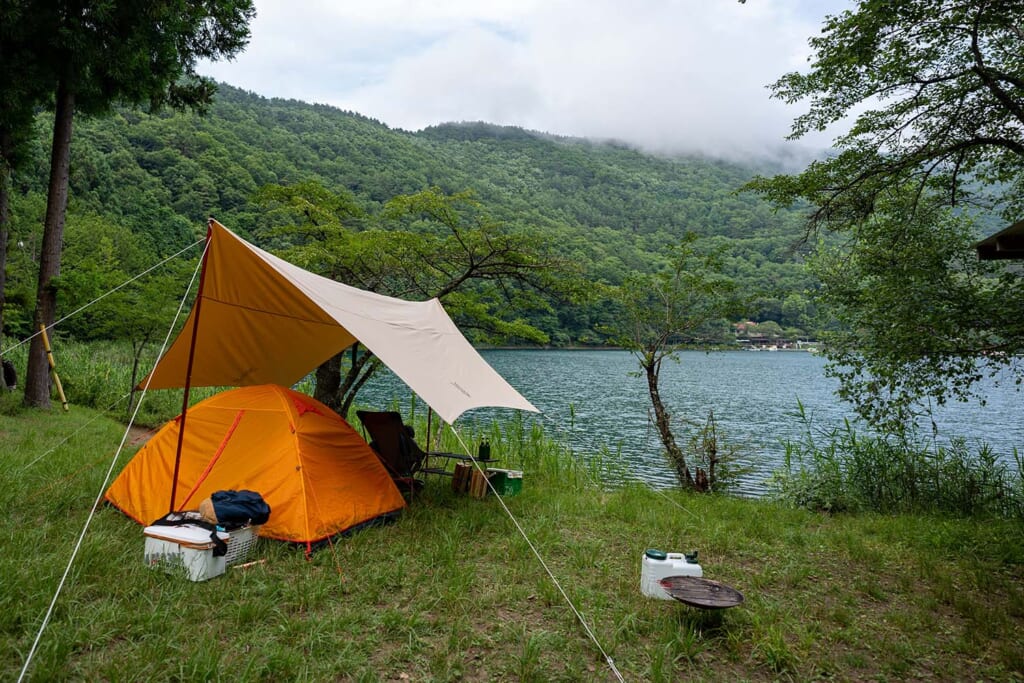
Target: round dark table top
700	592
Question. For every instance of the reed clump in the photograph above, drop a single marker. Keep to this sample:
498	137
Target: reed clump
843	470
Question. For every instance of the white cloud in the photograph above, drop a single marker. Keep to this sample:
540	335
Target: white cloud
668	75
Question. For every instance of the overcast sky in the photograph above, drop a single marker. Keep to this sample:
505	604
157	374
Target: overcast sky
667	75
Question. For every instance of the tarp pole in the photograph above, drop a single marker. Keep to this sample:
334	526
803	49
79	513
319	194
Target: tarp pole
430	412
53	367
191	359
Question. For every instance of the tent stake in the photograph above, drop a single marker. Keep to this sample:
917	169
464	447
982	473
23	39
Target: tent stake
191	359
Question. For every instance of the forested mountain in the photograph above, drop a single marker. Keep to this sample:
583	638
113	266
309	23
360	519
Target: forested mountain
609	208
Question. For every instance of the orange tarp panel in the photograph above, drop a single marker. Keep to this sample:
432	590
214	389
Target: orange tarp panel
256	328
317	473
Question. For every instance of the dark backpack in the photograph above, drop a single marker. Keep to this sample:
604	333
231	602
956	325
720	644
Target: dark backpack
236	509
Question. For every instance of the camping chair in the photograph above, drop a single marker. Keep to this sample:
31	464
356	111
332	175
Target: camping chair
394	444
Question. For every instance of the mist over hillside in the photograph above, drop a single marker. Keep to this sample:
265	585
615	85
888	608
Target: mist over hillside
608	206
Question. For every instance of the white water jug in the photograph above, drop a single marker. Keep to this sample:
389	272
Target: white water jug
656	565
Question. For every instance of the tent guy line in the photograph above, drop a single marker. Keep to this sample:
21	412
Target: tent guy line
75	433
536	553
101	297
103	488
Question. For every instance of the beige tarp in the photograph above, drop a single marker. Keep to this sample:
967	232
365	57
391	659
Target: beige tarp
266	321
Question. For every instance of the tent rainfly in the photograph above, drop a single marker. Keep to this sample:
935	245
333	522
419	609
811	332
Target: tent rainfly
261	320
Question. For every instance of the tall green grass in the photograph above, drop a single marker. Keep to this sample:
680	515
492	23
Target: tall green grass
842	470
98	375
451	591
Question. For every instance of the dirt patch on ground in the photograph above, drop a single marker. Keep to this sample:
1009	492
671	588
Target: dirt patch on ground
140	435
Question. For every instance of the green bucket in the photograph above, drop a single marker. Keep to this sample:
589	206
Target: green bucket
506	482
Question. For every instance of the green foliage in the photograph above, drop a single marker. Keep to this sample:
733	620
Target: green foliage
305	215
605	209
919	315
844	471
664	311
22	88
107	53
936	94
936	91
711	451
104	257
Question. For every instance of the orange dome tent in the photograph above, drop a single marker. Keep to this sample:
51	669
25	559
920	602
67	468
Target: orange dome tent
316	473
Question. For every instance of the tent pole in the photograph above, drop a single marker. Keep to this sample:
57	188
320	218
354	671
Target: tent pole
430	412
191	359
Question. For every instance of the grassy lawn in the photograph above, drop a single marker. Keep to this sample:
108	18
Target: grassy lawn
453	592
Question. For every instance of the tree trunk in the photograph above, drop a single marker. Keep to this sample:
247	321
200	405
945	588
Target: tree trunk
339	393
355	382
661	418
37	379
6	151
137	348
328	382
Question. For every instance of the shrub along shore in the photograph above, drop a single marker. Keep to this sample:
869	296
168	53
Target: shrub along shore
452	591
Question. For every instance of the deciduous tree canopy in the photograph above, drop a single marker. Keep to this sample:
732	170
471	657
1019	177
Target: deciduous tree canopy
936	89
936	93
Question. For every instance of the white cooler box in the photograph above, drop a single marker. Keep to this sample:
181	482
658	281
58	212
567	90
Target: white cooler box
184	549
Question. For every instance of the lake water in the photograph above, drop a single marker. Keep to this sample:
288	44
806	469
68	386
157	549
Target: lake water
753	394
